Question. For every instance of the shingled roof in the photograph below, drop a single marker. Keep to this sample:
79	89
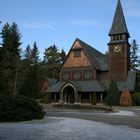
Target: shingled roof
81	86
129	83
51	81
119	24
100	60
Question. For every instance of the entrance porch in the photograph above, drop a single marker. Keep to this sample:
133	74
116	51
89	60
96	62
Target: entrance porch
69	95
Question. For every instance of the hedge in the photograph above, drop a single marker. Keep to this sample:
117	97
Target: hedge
19	108
136	99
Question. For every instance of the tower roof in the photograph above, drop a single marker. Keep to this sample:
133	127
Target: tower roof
119	24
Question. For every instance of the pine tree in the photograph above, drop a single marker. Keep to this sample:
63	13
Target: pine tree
35	54
10	56
134	57
62	55
24	68
30	85
113	95
28	53
51	55
31	72
52	60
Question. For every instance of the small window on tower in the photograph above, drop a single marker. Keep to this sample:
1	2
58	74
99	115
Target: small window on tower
120	37
77	53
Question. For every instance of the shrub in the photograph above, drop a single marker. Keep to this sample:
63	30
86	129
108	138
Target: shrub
93	99
113	95
136	99
46	98
19	108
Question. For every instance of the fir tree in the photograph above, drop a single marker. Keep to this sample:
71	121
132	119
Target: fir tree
28	53
134	57
31	72
113	95
35	54
62	55
9	58
52	60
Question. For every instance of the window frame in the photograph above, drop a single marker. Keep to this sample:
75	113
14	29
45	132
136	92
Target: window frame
77	52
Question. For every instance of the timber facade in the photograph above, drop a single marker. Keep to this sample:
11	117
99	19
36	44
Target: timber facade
86	70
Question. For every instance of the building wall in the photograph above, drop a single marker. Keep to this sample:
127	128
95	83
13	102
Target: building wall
118	62
103	76
77	66
81	73
75	62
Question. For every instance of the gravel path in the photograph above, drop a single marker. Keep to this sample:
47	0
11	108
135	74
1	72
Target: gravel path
77	125
126	116
59	128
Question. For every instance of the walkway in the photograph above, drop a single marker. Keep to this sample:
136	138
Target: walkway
77	125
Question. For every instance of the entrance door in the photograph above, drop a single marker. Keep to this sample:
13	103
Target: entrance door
71	97
69	94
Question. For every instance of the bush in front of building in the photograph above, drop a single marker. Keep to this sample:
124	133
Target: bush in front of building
19	108
136	99
93	99
113	96
46	98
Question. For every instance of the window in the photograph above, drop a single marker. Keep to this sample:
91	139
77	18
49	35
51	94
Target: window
77	53
66	75
76	75
88	75
120	37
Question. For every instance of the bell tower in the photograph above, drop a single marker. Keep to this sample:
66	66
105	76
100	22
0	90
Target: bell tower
119	47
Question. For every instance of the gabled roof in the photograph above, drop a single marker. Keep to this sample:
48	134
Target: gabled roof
51	81
119	24
100	60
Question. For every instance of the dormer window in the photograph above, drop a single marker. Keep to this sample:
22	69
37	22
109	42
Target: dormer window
77	53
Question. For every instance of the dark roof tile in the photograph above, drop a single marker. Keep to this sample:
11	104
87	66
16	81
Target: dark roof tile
81	86
129	83
51	81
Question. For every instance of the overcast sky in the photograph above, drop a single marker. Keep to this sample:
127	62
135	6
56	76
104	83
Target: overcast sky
60	22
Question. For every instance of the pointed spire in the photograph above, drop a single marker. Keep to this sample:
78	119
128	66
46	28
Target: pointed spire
119	24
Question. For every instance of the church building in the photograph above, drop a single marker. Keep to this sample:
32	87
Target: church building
87	70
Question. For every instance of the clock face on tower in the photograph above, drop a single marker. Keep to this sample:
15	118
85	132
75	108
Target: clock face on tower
117	48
